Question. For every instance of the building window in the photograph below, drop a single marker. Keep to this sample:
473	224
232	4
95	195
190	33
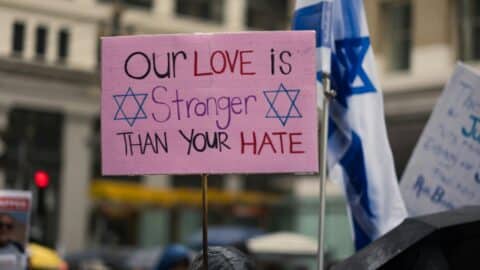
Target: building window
211	10
470	30
35	141
146	4
63	42
18	37
268	14
397	34
41	42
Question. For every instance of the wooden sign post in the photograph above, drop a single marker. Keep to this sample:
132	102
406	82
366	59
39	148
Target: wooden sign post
205	220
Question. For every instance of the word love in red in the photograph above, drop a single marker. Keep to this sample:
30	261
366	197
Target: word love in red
221	61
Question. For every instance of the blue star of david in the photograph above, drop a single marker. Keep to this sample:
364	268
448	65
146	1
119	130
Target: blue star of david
139	100
347	67
273	111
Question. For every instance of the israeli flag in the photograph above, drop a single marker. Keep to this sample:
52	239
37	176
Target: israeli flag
359	154
317	15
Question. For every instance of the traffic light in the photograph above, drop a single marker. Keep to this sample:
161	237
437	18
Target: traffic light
41	178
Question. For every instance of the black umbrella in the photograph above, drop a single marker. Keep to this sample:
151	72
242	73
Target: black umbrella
447	240
224	236
223	258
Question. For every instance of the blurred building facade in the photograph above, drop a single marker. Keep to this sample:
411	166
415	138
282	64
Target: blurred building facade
49	115
49	100
417	44
47	103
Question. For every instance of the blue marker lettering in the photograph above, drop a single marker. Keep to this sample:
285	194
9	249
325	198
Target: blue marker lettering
472	133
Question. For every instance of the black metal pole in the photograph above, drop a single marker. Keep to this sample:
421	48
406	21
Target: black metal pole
205	220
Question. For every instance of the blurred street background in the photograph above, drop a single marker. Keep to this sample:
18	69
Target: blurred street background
49	121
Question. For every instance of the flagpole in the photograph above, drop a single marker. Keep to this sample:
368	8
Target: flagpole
328	94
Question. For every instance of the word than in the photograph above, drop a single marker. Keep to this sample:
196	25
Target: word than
201	141
142	143
275	142
472	132
221	107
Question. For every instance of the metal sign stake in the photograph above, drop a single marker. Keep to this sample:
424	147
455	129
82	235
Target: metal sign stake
328	95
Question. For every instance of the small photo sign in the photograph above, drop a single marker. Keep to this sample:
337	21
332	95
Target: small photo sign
15	207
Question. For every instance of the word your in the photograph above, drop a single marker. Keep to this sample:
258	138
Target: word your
221	107
472	132
436	195
282	143
141	143
205	140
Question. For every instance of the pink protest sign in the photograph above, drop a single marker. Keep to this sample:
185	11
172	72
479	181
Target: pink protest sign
209	103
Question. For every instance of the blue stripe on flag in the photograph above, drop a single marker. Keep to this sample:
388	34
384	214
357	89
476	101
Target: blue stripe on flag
332	127
354	164
314	17
351	11
361	238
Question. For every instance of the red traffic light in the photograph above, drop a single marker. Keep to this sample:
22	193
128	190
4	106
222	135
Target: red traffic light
42	179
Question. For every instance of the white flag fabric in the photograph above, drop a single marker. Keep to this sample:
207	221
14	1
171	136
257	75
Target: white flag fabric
359	154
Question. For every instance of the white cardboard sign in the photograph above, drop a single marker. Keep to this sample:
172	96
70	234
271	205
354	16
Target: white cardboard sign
444	170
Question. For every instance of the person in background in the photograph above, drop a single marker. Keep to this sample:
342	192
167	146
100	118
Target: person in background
7	241
12	253
175	257
224	258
